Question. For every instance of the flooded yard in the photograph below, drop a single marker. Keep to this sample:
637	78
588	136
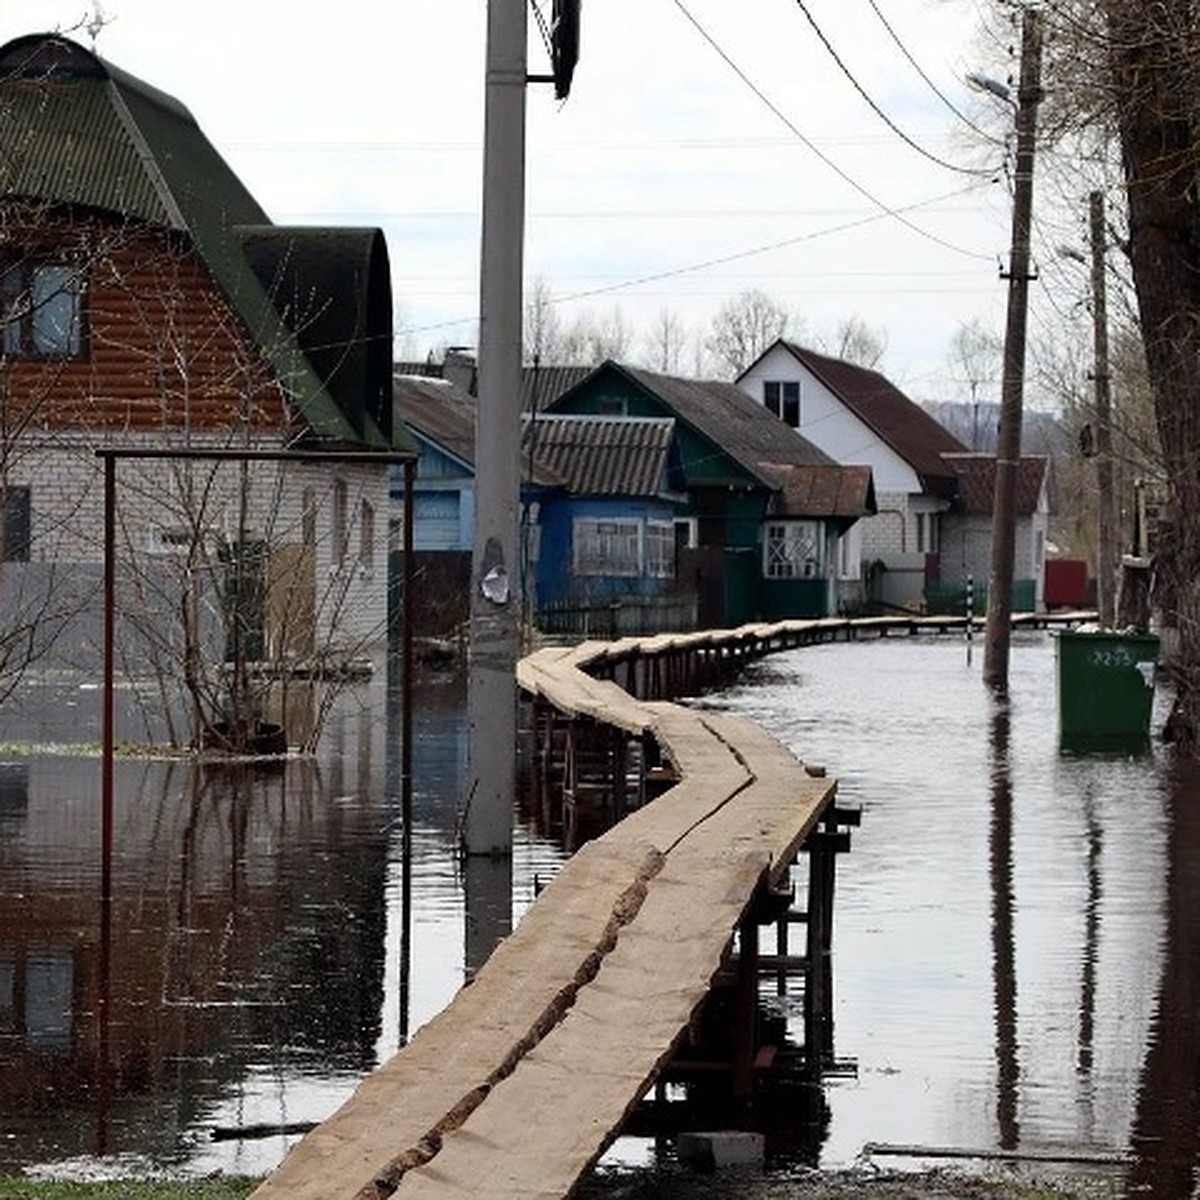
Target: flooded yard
1016	964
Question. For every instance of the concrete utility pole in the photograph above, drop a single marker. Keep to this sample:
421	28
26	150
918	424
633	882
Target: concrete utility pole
495	573
998	631
1106	551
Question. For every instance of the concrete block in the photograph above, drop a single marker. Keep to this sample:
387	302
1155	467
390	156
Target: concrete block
716	1149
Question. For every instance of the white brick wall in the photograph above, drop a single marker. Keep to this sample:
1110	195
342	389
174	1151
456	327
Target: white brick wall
155	496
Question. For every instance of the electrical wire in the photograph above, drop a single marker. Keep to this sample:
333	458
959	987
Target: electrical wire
544	28
862	91
933	87
734	256
888	210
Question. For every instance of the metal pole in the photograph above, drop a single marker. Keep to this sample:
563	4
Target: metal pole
1008	452
495	568
406	756
1106	551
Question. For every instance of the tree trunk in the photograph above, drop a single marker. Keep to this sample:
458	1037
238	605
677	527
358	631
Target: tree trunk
1154	93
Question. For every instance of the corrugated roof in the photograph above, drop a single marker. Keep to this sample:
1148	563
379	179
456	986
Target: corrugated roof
80	131
444	414
601	455
976	475
899	422
542	385
823	491
724	414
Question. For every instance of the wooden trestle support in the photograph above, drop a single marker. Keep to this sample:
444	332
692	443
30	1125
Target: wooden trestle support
585	775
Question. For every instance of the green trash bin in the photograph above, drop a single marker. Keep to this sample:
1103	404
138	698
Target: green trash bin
1105	688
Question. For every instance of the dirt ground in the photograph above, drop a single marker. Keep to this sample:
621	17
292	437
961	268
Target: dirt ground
684	1184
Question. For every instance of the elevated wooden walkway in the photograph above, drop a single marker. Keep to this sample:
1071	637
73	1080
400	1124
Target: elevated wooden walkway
518	1086
522	1082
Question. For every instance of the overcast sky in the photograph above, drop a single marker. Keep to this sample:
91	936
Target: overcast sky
706	148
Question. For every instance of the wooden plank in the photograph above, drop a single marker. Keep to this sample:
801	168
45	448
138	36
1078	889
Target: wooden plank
553	1117
521	1082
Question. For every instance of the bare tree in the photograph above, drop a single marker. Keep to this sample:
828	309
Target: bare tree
543	334
743	328
975	354
857	342
666	342
219	598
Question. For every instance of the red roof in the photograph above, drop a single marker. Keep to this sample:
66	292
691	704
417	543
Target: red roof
976	475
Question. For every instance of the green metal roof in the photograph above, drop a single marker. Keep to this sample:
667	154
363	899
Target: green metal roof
76	130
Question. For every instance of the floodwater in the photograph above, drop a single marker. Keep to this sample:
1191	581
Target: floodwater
1016	960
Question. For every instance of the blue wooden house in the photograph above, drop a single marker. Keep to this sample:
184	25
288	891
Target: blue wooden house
598	505
761	532
605	534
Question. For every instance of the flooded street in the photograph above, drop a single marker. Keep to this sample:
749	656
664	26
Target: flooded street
1016	962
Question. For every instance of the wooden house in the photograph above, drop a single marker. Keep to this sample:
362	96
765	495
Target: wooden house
856	415
147	302
603	556
597	510
966	550
760	533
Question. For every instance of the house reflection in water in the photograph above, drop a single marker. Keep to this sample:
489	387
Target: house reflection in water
248	930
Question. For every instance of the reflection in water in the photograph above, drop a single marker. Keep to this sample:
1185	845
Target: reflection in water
257	967
240	982
1004	969
1166	1131
978	865
1091	953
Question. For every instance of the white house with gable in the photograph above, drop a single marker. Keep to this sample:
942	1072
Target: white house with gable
855	415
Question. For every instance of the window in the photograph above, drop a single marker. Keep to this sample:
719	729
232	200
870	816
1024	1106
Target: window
660	549
366	536
41	309
340	518
16	524
782	397
607	547
792	550
927	533
612	406
687	533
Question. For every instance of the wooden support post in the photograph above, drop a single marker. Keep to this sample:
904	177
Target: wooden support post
745	1010
620	774
823	846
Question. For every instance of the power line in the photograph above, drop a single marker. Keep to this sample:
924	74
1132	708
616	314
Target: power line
933	87
862	91
735	256
886	209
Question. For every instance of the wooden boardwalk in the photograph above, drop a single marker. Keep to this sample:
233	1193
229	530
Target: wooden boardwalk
522	1082
518	1086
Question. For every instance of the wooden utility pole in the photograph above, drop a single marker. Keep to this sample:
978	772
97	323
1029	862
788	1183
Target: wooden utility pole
998	632
495	567
1106	551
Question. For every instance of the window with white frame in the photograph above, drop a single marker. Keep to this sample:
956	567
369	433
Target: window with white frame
782	397
41	308
792	550
604	546
660	549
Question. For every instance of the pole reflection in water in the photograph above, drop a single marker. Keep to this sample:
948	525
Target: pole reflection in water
1089	972
1004	969
258	955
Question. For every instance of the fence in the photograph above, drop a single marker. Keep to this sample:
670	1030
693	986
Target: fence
628	616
